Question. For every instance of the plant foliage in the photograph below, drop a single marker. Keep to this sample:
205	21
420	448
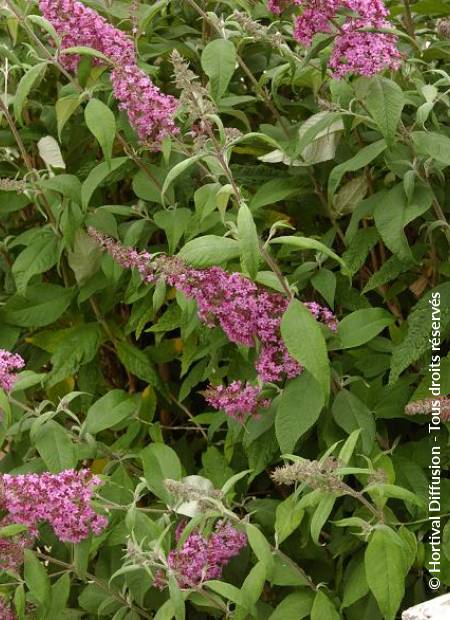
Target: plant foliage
259	235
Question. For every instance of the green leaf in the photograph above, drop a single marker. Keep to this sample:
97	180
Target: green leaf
55	447
417	339
36	577
260	547
350	413
361	159
362	326
218	62
253	585
12	530
79	346
24	87
94	599
5	410
176	596
215	466
392	490
393	212
174	222
355	582
96	176
41	305
324	281
385	101
81	553
147	184
384	567
323	608
350	195
357	252
109	410
137	362
64	109
435	145
248	241
205	199
229	484
209	250
50	152
389	270
298	410
319	136
102	124
39	256
84	257
321	515
60	596
86	51
273	191
427	7
20	601
389	216
295	605
305	342
165	612
222	198
66	184
346	452
226	590
410	546
288	518
45	25
176	171
160	462
306	243
286	573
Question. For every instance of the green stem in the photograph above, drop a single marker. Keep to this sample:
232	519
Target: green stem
98	582
408	20
258	88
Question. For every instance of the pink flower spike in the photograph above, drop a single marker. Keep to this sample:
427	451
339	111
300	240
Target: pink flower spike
150	112
201	559
63	500
356	49
238	400
10	363
6	612
246	313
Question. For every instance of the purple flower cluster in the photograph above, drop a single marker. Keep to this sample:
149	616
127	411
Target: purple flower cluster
355	50
10	363
238	400
200	559
150	112
322	314
63	500
78	25
248	314
6	613
229	300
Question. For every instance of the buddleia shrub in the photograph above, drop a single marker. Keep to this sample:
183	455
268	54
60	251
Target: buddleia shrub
224	308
